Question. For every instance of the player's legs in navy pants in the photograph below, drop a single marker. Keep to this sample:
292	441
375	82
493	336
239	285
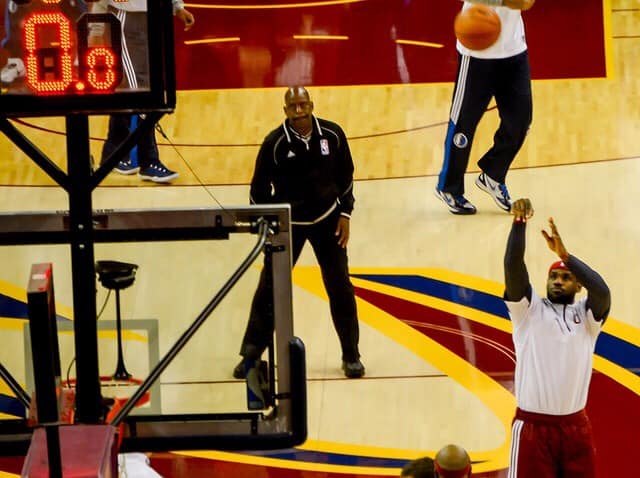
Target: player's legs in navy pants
513	99
472	93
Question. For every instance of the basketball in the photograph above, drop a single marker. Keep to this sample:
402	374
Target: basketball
477	27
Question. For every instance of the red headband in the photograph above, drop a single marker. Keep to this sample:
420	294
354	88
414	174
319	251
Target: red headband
558	265
463	473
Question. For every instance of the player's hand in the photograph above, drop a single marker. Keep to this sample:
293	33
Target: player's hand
342	231
554	241
186	17
522	209
519	4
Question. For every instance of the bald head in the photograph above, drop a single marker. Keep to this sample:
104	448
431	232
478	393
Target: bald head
295	91
298	108
453	461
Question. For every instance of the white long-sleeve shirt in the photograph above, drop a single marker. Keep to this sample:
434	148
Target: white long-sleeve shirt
554	348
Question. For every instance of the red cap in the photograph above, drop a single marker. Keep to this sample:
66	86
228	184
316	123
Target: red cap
558	265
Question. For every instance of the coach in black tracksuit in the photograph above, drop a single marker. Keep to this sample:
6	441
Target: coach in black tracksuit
306	163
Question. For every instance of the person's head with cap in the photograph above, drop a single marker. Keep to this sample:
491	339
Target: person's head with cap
562	285
452	461
418	468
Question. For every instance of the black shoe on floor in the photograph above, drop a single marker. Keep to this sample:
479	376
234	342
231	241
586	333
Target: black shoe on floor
239	371
353	369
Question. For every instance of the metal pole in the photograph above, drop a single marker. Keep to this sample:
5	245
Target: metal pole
88	396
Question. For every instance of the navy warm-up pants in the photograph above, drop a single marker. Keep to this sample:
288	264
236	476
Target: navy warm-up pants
508	80
333	263
135	75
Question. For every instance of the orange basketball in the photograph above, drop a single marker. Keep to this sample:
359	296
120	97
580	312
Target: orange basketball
477	27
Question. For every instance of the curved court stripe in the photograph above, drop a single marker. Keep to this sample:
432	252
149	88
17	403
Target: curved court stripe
443	290
616	349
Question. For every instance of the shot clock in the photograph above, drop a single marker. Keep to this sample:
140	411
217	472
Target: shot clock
67	71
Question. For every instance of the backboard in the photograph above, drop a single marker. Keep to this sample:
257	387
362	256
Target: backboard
182	330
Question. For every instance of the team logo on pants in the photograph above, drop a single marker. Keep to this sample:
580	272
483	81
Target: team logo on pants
460	140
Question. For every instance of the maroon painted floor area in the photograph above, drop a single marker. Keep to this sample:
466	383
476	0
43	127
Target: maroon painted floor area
266	54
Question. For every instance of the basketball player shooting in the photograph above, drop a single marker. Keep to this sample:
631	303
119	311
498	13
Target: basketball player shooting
554	340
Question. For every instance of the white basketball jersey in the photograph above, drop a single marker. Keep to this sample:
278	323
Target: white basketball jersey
554	354
511	41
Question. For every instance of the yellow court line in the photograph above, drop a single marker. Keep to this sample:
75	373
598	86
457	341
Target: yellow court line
613	327
320	37
4	389
617	328
18	324
608	39
420	43
288	464
381	452
455	367
10	323
492	395
20	294
4	474
212	40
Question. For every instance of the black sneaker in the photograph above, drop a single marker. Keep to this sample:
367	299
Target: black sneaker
353	369
239	371
126	167
158	173
498	191
456	204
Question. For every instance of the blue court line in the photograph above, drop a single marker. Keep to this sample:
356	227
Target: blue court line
16	309
610	347
327	458
12	406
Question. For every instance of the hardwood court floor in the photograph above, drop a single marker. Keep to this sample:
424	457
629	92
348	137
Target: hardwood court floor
433	336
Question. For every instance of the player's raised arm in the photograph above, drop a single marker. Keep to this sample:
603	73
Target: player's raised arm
516	277
598	293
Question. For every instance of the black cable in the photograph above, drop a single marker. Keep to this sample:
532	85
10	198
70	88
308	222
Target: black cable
168	140
73	360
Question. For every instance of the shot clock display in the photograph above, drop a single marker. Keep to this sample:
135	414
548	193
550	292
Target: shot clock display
73	58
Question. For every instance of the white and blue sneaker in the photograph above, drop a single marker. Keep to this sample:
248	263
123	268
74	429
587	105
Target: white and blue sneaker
157	173
126	167
456	204
498	191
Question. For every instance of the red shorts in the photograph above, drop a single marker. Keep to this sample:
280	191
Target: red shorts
551	446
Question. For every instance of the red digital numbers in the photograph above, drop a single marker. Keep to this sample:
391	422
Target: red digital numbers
49	68
101	71
50	56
